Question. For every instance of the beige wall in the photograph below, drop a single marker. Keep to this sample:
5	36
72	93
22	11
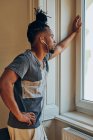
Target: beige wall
68	61
13	26
50	129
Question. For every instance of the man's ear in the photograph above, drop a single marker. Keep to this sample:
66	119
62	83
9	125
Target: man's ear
41	38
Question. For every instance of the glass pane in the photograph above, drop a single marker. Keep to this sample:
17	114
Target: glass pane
88	71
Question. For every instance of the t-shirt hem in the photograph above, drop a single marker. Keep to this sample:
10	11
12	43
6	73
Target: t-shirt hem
26	127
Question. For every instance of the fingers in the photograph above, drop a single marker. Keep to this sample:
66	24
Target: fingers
30	118
77	23
77	17
32	121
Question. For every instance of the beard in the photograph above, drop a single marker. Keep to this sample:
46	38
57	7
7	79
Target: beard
51	51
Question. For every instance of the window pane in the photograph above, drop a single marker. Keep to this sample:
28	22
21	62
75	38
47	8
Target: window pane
88	60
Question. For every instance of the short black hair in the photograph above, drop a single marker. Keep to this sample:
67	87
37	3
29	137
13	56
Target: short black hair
37	26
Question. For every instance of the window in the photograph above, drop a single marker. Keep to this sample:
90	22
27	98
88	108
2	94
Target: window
84	57
88	87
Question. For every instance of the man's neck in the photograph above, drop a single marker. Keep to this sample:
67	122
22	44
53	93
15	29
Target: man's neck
40	54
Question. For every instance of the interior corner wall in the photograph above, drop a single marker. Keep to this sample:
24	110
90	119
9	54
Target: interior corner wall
13	40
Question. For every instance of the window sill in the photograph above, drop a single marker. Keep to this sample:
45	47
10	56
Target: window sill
78	120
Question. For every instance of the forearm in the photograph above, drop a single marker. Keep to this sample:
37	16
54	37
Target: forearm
7	95
64	43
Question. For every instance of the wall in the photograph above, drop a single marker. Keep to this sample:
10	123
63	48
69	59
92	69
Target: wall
50	129
15	16
58	129
67	58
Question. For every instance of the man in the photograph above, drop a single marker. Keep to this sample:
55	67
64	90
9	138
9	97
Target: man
23	82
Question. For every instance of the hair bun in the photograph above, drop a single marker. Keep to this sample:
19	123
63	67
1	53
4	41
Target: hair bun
41	15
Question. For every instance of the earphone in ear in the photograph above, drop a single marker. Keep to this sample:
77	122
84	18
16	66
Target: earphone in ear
46	45
44	42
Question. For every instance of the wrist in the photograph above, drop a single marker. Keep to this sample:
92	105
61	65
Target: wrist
74	33
18	115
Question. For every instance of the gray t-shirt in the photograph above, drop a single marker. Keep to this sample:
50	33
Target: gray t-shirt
29	88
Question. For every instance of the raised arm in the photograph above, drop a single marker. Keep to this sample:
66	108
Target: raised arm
62	45
7	81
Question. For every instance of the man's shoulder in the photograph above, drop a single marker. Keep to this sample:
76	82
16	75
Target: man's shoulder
24	55
27	54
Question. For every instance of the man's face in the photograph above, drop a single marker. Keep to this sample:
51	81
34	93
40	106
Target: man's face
49	39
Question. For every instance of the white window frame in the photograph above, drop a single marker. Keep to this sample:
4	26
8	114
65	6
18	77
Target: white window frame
81	105
51	109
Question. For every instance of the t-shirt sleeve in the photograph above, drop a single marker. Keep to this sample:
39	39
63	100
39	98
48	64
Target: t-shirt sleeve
19	65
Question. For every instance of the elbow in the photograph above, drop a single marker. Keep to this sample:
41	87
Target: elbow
1	87
62	45
5	87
